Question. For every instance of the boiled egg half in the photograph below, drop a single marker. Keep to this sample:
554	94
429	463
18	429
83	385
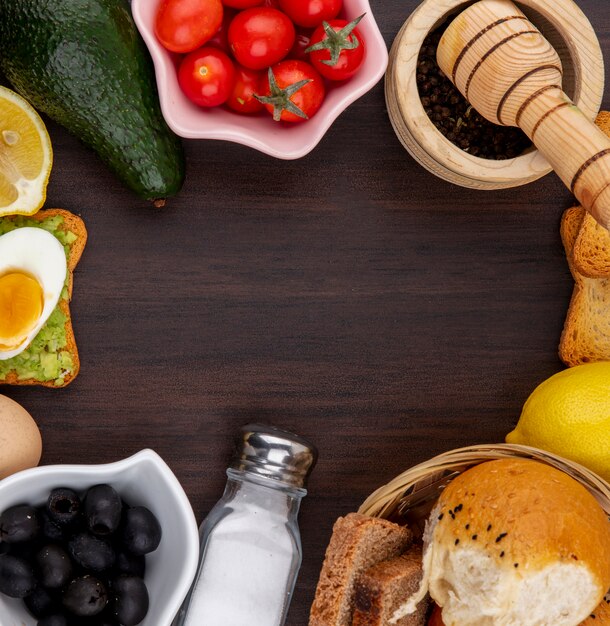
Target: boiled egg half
33	270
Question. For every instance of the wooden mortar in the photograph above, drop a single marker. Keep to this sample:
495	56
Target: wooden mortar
512	75
570	33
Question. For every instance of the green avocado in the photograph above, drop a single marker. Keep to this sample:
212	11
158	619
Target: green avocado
45	358
83	63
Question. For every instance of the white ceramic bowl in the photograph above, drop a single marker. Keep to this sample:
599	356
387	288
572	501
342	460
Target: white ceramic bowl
143	479
281	140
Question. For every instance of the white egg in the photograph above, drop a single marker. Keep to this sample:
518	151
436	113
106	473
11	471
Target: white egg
36	254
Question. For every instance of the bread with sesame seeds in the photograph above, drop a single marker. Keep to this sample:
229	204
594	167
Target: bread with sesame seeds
601	615
515	542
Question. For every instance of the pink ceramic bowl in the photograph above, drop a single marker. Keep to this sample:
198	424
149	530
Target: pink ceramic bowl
284	141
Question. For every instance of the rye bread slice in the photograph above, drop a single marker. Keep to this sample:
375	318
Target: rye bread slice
586	332
73	224
358	542
591	250
382	589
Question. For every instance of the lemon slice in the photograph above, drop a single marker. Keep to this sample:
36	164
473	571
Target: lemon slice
26	156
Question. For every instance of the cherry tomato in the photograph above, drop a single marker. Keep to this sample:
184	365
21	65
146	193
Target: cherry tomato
260	37
436	617
292	91
221	36
302	41
242	4
206	76
185	25
337	49
311	13
274	4
246	84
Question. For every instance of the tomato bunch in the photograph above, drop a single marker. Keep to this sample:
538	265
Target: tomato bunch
256	55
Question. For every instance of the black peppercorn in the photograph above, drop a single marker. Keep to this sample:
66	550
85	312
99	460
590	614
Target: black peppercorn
455	118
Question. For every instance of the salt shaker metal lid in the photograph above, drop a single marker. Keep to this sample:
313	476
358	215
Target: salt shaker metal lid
276	454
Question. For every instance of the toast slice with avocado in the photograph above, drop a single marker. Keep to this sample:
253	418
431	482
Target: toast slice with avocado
51	359
586	332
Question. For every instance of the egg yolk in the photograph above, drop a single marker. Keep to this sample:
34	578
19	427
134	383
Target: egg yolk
21	303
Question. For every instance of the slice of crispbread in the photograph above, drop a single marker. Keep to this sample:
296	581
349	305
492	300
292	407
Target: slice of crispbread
357	543
69	223
586	332
592	245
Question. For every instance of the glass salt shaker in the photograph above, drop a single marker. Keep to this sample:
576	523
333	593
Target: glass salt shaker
250	541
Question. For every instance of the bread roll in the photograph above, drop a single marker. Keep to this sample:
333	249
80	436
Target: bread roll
515	542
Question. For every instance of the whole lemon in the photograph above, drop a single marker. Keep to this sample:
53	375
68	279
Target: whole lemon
569	414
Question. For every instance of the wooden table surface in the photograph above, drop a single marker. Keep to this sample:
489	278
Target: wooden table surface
349	296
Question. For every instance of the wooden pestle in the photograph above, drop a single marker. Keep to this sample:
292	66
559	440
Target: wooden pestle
512	76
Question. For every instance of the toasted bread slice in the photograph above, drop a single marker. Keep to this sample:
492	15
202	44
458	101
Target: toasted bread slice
592	245
592	249
73	227
358	542
382	589
586	332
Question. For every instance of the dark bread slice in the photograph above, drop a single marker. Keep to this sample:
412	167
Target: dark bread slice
358	542
382	589
591	249
73	224
586	332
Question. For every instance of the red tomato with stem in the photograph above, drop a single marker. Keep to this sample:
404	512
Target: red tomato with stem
242	4
185	25
246	85
311	13
206	76
337	49
292	91
436	618
260	37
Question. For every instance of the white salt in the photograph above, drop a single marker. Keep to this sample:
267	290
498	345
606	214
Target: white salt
246	568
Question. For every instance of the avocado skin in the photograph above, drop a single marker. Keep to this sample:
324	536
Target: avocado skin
83	63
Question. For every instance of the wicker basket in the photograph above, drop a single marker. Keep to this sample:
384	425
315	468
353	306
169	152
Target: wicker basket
410	497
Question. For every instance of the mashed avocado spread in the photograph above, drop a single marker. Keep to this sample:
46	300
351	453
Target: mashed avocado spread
45	358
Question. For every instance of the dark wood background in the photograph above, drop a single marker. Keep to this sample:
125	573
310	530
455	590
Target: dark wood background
349	296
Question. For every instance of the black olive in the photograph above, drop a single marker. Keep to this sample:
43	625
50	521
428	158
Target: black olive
50	530
53	620
91	552
103	508
54	567
19	523
85	596
16	576
141	532
132	564
64	506
40	603
105	619
129	600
